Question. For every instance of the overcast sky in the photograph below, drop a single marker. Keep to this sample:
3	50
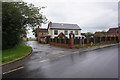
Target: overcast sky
93	16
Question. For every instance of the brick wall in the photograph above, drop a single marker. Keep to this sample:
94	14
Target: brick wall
72	45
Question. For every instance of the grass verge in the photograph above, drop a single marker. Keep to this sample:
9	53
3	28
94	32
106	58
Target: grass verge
33	39
15	53
94	45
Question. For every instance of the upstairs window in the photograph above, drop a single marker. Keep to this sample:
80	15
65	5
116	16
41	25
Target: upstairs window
55	32
76	32
66	32
42	34
71	31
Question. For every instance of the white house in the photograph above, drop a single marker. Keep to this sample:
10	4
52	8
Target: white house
54	29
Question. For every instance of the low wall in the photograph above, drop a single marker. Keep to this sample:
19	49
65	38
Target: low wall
41	40
72	43
60	44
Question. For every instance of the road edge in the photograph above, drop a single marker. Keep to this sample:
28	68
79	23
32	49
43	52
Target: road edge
21	58
98	47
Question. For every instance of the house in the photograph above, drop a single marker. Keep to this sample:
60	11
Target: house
112	32
42	33
55	29
100	34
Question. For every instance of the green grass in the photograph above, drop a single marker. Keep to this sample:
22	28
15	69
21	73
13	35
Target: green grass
32	39
15	53
94	45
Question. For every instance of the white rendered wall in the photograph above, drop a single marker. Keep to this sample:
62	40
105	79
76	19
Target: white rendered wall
51	33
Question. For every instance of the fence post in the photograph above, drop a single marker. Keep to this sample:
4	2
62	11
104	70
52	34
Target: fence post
49	40
115	39
94	40
60	40
55	40
45	40
87	41
105	40
72	43
80	42
65	40
100	39
110	38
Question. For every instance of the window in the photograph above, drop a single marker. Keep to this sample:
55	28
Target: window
42	34
71	31
55	32
66	32
76	32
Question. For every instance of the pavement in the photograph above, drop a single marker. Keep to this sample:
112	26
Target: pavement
54	62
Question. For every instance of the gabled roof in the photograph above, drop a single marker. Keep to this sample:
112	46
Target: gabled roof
112	30
61	35
63	26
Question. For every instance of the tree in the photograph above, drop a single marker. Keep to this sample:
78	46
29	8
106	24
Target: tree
16	16
104	32
35	32
89	34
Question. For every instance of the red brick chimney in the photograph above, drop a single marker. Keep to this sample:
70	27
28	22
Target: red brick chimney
50	23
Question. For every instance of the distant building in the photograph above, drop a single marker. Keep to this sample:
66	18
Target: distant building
113	32
42	33
100	34
56	29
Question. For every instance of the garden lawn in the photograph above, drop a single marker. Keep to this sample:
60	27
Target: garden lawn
15	53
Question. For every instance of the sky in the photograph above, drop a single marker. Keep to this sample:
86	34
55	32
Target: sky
90	15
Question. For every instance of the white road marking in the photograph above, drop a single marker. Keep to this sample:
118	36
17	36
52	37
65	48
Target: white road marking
44	60
13	70
23	67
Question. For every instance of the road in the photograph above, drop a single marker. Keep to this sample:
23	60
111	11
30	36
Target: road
53	62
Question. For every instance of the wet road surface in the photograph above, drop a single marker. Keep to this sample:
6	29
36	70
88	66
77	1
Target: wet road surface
53	62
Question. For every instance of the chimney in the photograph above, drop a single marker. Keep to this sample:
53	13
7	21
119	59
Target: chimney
50	23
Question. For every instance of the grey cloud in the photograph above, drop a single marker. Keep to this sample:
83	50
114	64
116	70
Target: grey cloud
90	16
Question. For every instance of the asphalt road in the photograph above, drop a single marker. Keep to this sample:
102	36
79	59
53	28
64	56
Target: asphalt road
53	62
